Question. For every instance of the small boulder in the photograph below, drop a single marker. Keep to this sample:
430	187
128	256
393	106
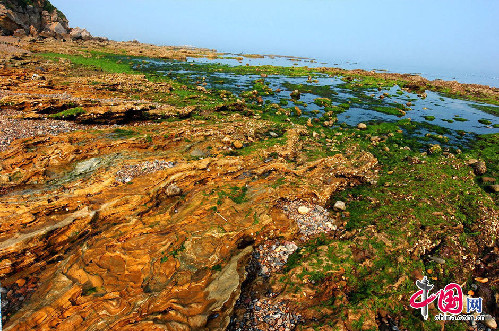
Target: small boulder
494	188
490	322
488	180
298	111
33	31
361	126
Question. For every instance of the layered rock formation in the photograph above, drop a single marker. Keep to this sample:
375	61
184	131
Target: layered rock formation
145	227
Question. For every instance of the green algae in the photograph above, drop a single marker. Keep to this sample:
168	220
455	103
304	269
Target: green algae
494	110
67	114
484	121
389	111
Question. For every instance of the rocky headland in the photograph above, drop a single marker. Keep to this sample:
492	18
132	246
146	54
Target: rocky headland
38	18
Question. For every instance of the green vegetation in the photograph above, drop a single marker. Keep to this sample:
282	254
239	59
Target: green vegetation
176	251
416	196
96	60
389	111
67	114
124	133
485	121
236	194
494	110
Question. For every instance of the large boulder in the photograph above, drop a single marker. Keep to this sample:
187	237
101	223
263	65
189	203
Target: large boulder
80	34
57	28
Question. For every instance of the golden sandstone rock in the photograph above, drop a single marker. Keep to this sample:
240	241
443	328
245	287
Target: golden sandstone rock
113	256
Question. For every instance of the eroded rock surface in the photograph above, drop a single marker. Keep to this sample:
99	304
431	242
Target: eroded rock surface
116	256
23	18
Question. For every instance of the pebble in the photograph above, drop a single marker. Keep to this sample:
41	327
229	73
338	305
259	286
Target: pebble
238	144
303	210
490	322
173	190
437	259
340	205
482	280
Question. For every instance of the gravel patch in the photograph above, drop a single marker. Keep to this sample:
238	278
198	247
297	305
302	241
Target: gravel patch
12	128
311	219
129	172
273	255
271	316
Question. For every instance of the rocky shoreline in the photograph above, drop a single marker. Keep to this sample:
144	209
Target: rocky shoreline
130	202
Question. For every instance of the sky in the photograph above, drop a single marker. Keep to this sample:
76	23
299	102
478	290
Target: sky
439	38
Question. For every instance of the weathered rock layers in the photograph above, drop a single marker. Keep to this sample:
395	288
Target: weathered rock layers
36	18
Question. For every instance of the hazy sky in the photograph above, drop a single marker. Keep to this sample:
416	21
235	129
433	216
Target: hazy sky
441	37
